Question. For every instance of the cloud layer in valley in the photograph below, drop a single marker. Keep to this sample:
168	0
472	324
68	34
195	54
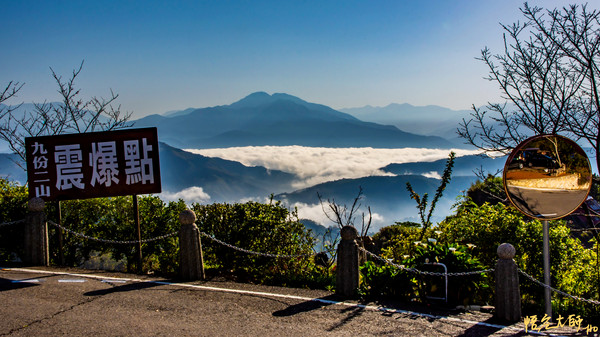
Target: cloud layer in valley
314	165
189	195
316	212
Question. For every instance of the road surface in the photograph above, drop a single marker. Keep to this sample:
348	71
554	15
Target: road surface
548	203
54	302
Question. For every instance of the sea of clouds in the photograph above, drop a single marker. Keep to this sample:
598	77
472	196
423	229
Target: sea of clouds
190	195
314	165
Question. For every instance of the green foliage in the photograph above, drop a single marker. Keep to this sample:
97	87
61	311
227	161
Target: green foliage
468	240
264	228
113	218
400	244
465	241
490	190
13	207
397	240
422	202
268	228
464	289
488	226
485	227
386	280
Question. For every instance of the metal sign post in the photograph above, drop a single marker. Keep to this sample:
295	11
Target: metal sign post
546	247
61	253
136	219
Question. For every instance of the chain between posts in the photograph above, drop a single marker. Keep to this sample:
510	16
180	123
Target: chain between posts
422	272
122	242
414	270
253	252
531	278
164	237
11	223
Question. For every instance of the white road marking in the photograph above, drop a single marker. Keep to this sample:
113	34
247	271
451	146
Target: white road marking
71	281
26	281
114	281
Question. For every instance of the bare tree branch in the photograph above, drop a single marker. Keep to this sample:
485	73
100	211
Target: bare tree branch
73	114
342	216
548	75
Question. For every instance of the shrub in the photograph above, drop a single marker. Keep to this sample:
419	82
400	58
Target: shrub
265	228
13	201
573	268
386	280
402	247
113	219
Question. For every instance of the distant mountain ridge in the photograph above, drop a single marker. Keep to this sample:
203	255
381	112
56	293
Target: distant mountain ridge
279	119
386	195
9	168
223	180
423	120
465	166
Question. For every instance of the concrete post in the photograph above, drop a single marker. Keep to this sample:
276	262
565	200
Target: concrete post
347	263
191	263
508	296
36	234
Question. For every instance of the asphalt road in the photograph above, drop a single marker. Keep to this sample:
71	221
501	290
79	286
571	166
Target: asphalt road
550	203
54	302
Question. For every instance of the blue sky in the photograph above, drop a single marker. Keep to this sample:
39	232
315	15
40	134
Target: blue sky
169	55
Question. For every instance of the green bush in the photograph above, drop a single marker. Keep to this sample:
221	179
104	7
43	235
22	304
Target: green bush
464	289
386	280
490	190
399	244
113	219
268	228
265	228
13	207
573	268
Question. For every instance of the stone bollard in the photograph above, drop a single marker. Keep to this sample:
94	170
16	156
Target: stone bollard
347	263
191	263
508	296
36	234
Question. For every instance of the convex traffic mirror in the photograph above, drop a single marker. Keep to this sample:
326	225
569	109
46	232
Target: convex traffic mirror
547	177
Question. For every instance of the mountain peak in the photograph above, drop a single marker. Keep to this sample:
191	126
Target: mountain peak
252	100
261	98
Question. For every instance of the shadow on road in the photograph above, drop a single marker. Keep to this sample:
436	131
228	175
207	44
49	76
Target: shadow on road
8	284
322	302
306	306
352	312
487	330
123	288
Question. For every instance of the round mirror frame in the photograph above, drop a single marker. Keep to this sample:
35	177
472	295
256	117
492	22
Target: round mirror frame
545	182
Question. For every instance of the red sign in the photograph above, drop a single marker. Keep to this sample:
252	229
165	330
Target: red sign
92	165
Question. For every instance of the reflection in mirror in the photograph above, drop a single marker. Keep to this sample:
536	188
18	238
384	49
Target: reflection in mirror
547	177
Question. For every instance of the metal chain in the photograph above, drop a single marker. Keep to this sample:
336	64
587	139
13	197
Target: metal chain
11	223
556	290
252	252
422	272
112	241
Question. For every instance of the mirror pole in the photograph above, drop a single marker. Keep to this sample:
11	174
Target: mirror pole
547	291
